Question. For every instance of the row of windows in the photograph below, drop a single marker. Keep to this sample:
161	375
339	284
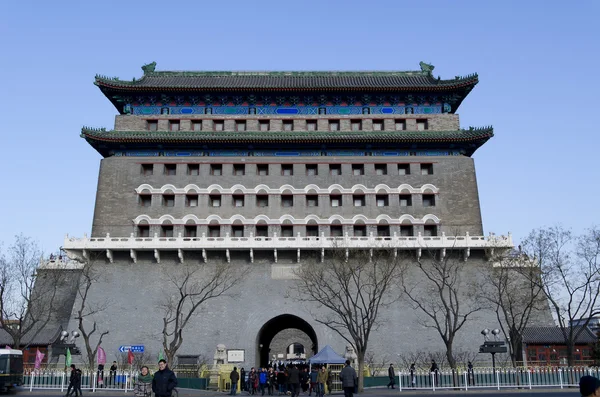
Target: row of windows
287	125
287	169
288	231
322	110
287	200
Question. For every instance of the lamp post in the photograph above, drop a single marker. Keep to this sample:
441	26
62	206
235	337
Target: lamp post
66	341
492	346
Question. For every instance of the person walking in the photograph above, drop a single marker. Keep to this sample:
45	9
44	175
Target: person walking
164	380
272	380
294	380
263	378
434	371
281	381
349	379
314	373
392	376
321	381
470	374
72	381
329	381
413	378
234	377
242	379
112	374
143	383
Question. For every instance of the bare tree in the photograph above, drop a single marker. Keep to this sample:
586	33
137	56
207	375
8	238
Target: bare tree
191	287
376	364
87	310
512	289
438	291
352	289
570	277
406	359
28	299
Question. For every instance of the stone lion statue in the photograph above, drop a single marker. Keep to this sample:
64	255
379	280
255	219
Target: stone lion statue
220	356
350	353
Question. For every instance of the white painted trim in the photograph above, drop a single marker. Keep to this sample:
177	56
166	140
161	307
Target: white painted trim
262	188
281	219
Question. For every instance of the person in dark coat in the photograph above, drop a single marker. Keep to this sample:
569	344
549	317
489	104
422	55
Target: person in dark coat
234	377
73	381
392	376
434	371
413	378
349	379
243	378
294	380
164	380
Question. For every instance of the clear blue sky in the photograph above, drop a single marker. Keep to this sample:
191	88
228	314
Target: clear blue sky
537	63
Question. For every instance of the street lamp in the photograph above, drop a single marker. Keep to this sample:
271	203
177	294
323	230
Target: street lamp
64	336
492	346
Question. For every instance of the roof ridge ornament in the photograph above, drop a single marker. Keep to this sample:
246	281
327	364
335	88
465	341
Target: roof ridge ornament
426	67
149	67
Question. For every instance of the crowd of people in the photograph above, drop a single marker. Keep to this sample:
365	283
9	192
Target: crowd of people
162	383
283	380
291	380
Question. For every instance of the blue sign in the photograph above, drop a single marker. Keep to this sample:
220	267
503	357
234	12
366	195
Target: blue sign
133	349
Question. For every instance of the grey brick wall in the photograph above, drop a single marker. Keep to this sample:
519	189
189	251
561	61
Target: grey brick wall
457	204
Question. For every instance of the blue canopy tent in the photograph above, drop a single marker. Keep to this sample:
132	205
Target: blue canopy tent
327	356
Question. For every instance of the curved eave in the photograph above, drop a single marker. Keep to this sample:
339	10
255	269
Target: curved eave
145	85
473	138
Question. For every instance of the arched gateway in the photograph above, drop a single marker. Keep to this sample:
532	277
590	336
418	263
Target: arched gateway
274	326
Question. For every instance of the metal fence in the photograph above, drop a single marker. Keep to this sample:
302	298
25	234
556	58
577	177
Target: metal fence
59	380
523	378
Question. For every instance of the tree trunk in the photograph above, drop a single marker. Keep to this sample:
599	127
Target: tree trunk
450	355
361	368
570	355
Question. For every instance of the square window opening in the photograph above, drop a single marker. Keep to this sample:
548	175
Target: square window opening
287	200
336	200
262	231
287	169
214	231
215	200
238	200
312	170
430	230
152	125
359	200
334	125
288	125
170	169
240	126
191	200
145	200
360	230
311	125
336	231
383	230
193	169
174	126
216	169
377	125
422	125
287	231
147	169
405	200
312	200
428	200
335	169
356	125
196	126
169	200
143	231
262	200
262	169
380	169
426	169
166	231
190	231
382	200
358	169
400	125
239	169
218	125
403	169
237	231
312	231
263	125
407	230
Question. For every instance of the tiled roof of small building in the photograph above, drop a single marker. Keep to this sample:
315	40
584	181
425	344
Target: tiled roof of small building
317	80
554	335
473	134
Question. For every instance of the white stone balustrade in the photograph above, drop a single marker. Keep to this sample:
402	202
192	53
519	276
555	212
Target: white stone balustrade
277	242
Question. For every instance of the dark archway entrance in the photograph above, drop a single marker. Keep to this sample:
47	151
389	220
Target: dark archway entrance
276	325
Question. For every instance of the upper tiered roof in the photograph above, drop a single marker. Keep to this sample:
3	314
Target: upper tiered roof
421	81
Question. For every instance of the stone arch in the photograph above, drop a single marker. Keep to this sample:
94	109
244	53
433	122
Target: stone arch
280	323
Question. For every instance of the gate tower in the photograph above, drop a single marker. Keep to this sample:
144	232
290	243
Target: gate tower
269	168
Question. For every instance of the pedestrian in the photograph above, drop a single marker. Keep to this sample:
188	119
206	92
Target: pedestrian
143	383
77	383
413	377
100	375
321	381
329	381
304	380
234	377
71	381
434	371
164	380
272	380
392	376
242	379
314	373
589	386
112	374
251	380
263	378
470	374
281	381
349	379
294	380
